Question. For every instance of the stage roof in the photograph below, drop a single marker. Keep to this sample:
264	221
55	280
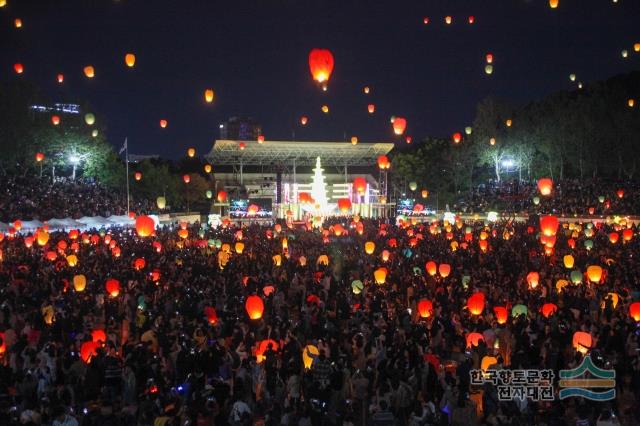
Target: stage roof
226	152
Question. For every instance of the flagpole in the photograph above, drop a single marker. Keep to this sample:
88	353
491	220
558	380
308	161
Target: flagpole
126	156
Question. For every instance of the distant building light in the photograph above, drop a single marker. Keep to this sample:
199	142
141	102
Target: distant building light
65	108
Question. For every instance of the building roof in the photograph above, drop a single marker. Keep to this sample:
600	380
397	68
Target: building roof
227	152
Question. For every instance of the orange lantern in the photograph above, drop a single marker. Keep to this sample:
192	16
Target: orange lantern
475	303
191	152
385	255
444	270
360	185
431	267
222	196
55	120
42	237
18	68
594	273
399	125
568	261
457	137
553	4
613	237
501	313
254	306
39	157
113	287
137	176
208	96
369	247
545	186
98	336
383	162
145	226
582	341
380	275
474	339
163	123
262	348
87	351
183	233
425	308
79	283
448	20
260	138
186	178
139	264
304	120
371	108
130	60
320	64
89	71
533	279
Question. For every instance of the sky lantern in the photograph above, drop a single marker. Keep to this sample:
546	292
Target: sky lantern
568	261
222	196
533	279
636	47
354	140
475	303
488	69
369	247
321	64
254	306
186	178
18	68
139	264
42	237
448	20
501	313
380	275
548	309
371	108
360	185
17	23
208	168
620	193
549	225
582	341
89	71
471	19
457	137
208	96
627	234
304	120
325	109
385	255
262	348
261	139
508	122
183	233
163	123
399	125
39	157
357	286
613	237
79	283
239	247
634	311
89	118
553	4
366	90
130	60
98	336
137	176
72	260
60	78
489	58
161	202
545	186
425	308
87	351
145	226
191	152
425	20
28	241
383	162
631	102
431	267
113	287
55	120
572	77
308	354
473	339
444	270
594	273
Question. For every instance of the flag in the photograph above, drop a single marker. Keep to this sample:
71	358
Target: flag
124	147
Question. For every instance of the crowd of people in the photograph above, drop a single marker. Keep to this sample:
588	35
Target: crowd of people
34	198
571	197
336	344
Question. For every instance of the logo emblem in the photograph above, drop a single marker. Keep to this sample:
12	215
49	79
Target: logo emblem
572	384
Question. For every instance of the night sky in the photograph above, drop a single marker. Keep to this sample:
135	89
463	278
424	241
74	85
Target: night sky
254	54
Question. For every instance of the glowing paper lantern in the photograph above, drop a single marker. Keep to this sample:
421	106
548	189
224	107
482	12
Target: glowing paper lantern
163	123
457	137
545	186
222	196
130	60
55	120
79	283
488	69
183	233
191	152
87	351
424	193
501	314
487	362
474	339
431	267
72	260
186	178
582	341
113	287
471	19
354	140
139	264
385	255
321	64
255	307
553	3
208	168
383	162
380	275
613	237
360	185
533	279
357	286
42	237
548	309
576	277
399	125
325	109
145	226
549	225
308	354
475	303
17	23
634	311
594	273
261	139
413	186
208	96
239	247
369	247
18	68
489	58
211	314
448	20
425	308
627	234
371	108
60	78
39	157
568	261
161	202
468	130
444	270
263	346
89	71
98	336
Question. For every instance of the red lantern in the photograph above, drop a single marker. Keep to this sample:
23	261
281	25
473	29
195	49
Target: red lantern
60	78
425	308
383	162
502	314
210	313
489	58
186	178
545	186
431	267
145	226
371	108
222	196
163	123
627	234
321	64
473	339
360	185
634	311
303	120
98	336
139	264
457	137
475	303
55	120
262	348
533	279
261	139
137	176
444	270
39	157
613	237
472	19
254	307
620	193
87	351
344	204
113	287
548	309
549	225
582	341
242	146
399	125
18	68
